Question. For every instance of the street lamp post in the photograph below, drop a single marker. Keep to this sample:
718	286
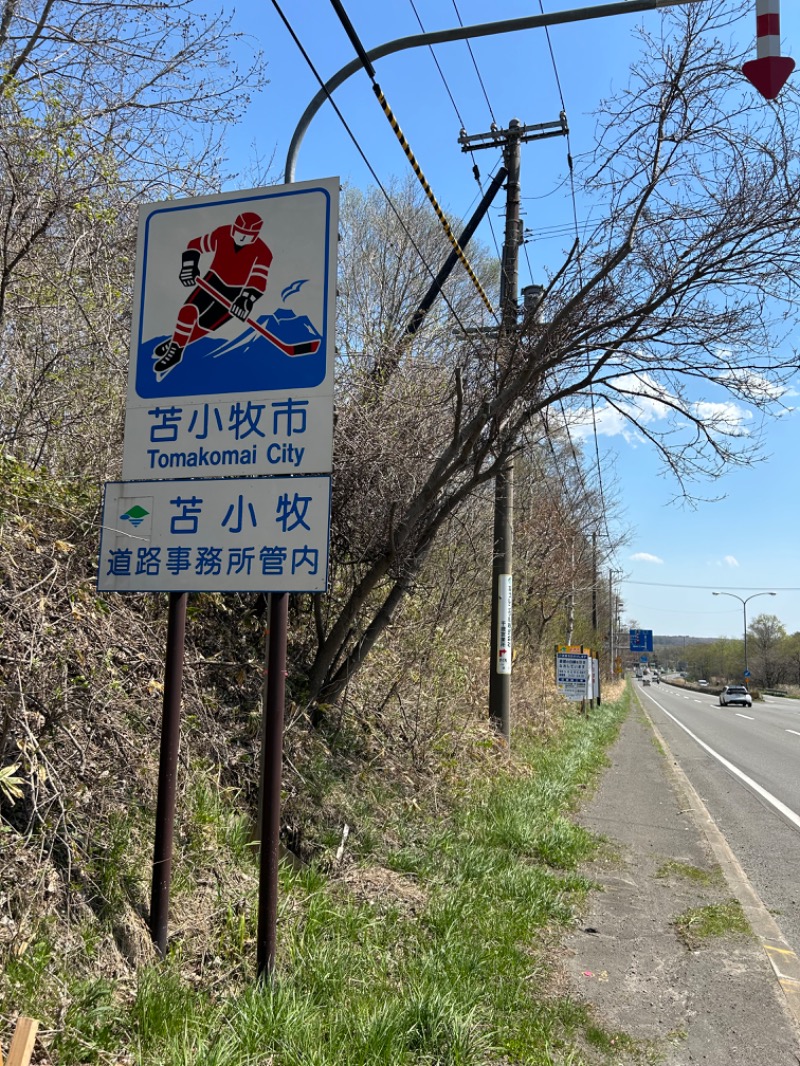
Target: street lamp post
744	603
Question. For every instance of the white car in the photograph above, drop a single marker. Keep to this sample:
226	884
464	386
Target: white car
737	694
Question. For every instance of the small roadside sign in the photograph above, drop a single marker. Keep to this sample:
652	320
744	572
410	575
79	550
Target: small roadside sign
221	535
504	638
573	675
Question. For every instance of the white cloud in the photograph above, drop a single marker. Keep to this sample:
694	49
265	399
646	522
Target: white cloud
643	404
727	417
646	557
754	387
731	560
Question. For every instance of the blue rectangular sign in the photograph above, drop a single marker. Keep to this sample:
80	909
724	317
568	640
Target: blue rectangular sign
641	639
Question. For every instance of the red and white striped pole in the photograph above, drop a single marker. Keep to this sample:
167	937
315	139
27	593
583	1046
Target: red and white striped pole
769	71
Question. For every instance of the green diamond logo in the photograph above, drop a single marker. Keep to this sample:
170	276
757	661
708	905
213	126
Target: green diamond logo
136	515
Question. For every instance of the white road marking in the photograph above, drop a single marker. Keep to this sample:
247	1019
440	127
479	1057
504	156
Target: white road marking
793	731
749	718
772	800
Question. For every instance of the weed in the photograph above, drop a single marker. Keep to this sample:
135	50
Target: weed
674	868
717	919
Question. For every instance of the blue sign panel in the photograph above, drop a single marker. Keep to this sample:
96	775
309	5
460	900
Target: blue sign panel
641	639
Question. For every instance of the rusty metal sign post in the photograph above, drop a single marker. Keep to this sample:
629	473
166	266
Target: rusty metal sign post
270	794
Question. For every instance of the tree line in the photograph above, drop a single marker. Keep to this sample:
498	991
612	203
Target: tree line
679	294
773	656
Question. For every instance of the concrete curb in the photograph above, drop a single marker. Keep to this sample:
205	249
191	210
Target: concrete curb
783	960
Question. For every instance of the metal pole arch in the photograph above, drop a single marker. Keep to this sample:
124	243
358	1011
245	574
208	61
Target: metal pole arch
461	33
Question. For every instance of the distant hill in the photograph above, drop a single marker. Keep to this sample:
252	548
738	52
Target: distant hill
670	641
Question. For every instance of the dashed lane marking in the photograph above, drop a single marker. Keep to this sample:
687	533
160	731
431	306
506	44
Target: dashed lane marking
773	801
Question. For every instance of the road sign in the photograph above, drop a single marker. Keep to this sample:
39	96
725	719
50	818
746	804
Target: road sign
232	339
770	71
231	535
573	676
641	640
747	673
504	637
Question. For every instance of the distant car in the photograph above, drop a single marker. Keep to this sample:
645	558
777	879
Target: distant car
645	680
702	682
737	694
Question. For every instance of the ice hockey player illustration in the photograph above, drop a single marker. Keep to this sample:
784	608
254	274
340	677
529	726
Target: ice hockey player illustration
234	279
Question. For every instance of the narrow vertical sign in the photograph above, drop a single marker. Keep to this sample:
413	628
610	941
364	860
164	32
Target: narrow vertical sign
504	624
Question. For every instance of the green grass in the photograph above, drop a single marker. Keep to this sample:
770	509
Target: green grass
460	981
717	919
673	868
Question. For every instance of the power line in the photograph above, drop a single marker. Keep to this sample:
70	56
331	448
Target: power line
726	588
366	161
441	72
476	173
475	64
580	278
338	7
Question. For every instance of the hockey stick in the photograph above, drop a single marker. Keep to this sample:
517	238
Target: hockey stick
300	348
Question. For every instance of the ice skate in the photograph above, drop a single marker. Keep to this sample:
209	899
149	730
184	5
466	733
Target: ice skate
169	354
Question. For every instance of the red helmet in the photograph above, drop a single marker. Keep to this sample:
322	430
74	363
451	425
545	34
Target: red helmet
249	223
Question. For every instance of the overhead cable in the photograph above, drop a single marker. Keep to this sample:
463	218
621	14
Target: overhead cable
476	172
362	55
363	155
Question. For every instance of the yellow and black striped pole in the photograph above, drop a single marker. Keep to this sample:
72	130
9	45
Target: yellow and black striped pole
429	193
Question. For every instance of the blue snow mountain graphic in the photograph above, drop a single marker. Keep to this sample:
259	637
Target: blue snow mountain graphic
249	362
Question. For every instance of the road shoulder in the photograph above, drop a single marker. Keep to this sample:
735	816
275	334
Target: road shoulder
635	957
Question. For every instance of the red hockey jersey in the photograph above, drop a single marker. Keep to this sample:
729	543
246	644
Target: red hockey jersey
236	266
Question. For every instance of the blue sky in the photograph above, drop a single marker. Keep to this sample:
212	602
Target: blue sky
676	555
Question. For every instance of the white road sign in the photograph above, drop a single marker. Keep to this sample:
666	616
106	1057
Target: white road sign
504	622
573	675
218	535
232	339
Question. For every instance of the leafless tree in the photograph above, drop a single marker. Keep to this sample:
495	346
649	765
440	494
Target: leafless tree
680	298
102	106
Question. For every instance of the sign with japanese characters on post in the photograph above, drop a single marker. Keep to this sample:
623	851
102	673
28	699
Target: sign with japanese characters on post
573	674
216	535
232	338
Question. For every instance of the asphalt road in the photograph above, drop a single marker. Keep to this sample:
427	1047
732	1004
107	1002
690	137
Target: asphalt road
745	764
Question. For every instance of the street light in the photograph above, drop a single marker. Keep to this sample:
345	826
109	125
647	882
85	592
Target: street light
744	603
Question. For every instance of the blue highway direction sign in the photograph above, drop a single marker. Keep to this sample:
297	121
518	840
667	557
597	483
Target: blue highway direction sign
641	640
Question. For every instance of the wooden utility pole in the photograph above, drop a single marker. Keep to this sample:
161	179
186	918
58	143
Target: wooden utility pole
503	535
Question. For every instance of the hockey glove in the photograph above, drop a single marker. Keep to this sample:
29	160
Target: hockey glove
243	304
189	268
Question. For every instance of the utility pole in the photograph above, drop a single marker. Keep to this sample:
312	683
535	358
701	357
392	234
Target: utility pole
594	585
612	616
503	535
